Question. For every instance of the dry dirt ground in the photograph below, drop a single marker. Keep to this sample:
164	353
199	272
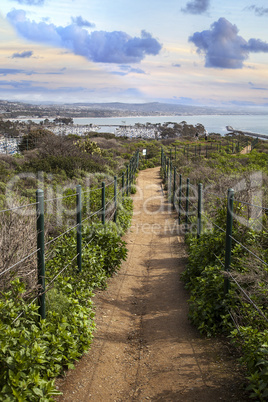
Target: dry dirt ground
145	347
246	150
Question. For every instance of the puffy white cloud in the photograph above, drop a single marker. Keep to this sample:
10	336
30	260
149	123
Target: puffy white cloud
223	47
97	46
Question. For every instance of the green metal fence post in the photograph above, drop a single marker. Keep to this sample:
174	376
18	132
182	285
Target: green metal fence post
228	240
180	191
123	184
187	206
127	180
167	170
174	188
115	198
170	178
199	211
41	252
103	202
79	227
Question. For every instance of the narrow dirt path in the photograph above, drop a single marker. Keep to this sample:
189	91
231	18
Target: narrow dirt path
246	150
144	347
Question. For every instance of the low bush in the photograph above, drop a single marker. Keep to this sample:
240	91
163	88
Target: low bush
34	351
214	312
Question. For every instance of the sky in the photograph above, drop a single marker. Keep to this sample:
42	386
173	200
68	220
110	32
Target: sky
194	52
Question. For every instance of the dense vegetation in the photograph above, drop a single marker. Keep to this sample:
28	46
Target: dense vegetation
34	351
242	313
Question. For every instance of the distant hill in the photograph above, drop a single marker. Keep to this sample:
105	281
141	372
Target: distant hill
114	109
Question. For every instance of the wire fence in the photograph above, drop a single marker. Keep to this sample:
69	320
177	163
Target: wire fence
200	210
205	148
104	201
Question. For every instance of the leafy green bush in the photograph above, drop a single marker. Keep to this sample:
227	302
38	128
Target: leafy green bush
32	353
210	308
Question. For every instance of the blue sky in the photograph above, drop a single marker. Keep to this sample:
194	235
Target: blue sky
200	52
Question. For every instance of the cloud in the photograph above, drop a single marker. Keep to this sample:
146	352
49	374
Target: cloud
256	45
8	71
253	86
23	55
17	84
31	2
130	69
196	6
223	47
176	65
259	11
125	70
82	23
98	46
14	71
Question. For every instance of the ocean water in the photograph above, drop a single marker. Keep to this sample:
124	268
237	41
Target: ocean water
213	123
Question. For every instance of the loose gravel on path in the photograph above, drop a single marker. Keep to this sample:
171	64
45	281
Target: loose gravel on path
145	348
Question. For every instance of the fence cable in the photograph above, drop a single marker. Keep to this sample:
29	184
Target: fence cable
58	274
228	273
21	207
62	234
90	216
17	263
110	218
265	263
251	205
192	204
234	321
47	289
109	183
224	197
92	190
213	223
109	202
90	241
59	198
220	261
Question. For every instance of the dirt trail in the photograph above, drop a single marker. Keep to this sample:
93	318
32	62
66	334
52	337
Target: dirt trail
144	347
246	150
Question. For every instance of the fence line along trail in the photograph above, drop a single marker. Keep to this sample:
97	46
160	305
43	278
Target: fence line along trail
144	347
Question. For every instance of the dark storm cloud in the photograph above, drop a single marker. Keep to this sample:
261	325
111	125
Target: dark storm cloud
223	47
196	7
22	55
98	46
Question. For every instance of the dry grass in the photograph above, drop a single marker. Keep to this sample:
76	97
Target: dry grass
17	241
